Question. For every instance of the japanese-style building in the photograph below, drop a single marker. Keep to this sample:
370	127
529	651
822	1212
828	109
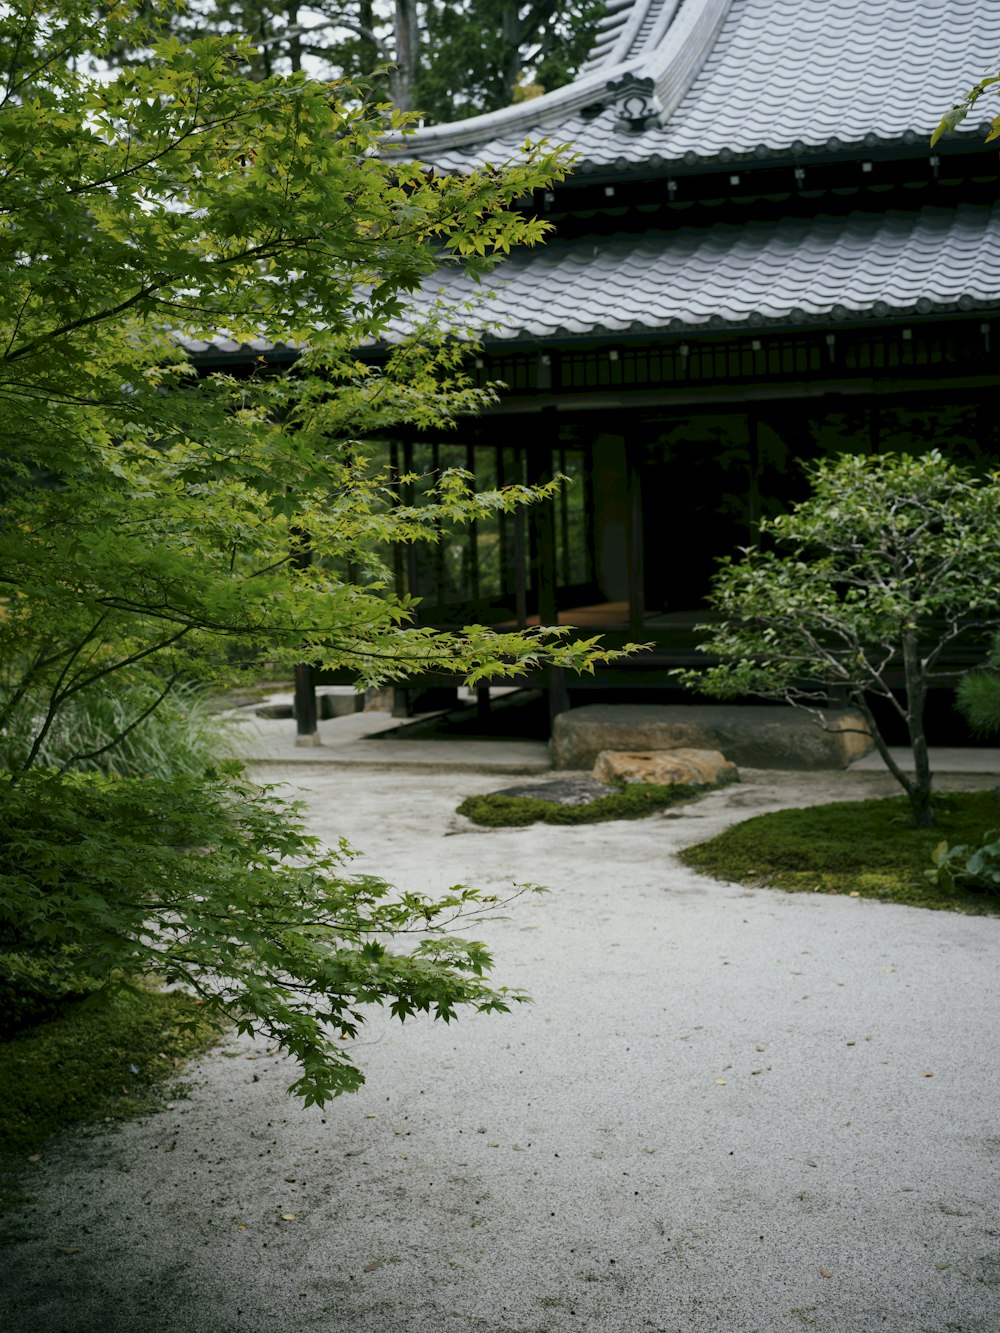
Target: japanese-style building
757	260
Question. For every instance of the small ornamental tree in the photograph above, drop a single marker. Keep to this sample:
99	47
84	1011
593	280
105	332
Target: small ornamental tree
860	588
154	522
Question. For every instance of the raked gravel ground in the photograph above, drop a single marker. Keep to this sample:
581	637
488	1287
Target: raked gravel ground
726	1109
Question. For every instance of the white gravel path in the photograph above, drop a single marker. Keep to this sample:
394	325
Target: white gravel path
726	1109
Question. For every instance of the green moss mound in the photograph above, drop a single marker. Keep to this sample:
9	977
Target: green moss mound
101	1059
866	848
633	802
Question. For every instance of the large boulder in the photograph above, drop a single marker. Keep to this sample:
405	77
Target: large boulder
750	735
694	768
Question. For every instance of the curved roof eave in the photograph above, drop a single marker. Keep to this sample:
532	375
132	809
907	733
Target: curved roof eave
677	48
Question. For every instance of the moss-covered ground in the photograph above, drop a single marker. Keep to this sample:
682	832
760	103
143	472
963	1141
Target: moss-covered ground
99	1060
632	802
868	849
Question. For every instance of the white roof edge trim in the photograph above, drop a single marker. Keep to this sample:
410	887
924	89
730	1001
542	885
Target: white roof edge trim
632	25
685	43
678	58
664	21
528	115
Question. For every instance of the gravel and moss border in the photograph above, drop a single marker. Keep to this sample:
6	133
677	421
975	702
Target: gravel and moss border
101	1060
864	849
633	801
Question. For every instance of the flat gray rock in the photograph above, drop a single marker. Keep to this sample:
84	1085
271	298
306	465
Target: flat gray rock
562	791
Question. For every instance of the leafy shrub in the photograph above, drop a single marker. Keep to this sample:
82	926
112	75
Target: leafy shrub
122	732
963	867
34	987
213	885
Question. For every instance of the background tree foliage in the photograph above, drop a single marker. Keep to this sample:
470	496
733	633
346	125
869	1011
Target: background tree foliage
863	588
154	522
448	58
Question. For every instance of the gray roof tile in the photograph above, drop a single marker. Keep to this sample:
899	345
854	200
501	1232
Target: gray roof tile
790	75
825	268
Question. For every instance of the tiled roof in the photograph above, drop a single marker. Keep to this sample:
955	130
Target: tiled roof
802	271
763	78
629	29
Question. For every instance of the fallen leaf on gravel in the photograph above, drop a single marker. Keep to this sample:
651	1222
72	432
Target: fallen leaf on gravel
825	1272
241	1226
66	1249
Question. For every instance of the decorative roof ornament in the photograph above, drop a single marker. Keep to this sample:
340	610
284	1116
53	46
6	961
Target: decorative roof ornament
632	99
635	102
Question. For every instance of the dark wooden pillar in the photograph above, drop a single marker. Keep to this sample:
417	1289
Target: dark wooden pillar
634	545
306	728
520	568
543	526
753	467
409	498
483	703
544	565
470	547
557	692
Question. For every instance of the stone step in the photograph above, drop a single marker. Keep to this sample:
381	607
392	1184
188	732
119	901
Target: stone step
750	735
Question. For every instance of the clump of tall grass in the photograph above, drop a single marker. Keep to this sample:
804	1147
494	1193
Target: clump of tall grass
117	730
